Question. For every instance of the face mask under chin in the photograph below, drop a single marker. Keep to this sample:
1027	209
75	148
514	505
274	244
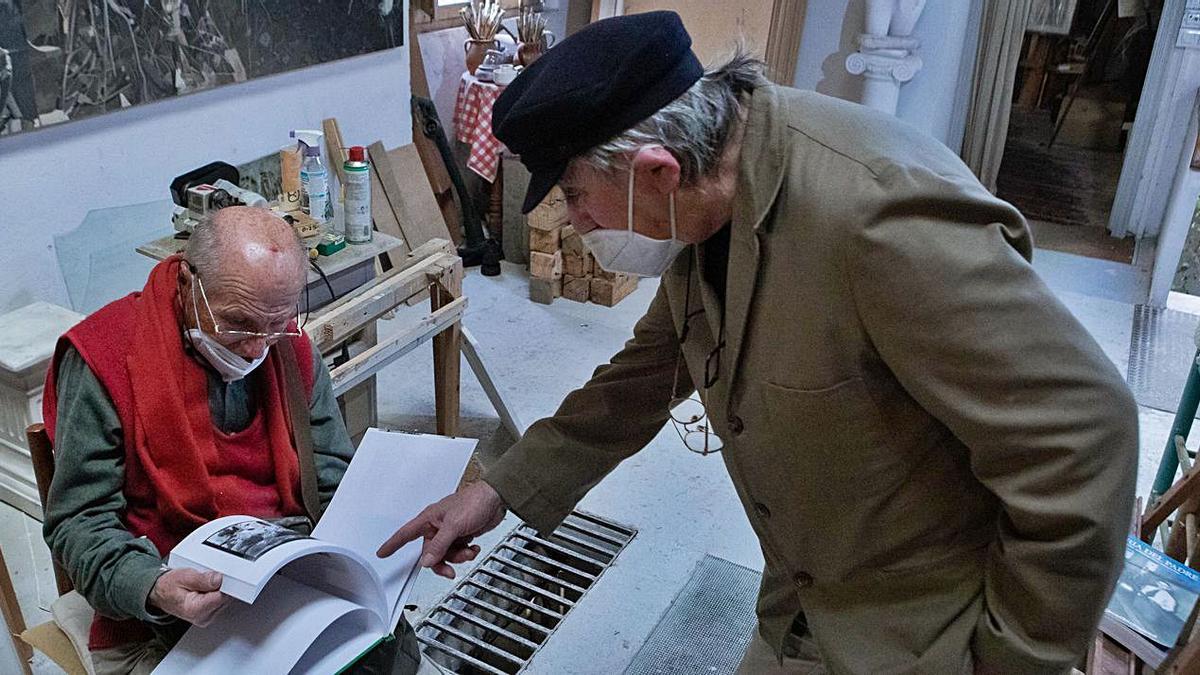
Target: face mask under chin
228	364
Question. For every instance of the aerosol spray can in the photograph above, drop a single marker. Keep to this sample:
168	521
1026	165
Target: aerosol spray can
356	194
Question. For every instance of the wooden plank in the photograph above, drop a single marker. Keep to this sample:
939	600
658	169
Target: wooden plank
335	147
418	194
470	349
544	291
381	170
12	614
578	289
447	354
1129	639
368	363
350	314
544	241
1184	489
783	40
1106	657
414	231
545	265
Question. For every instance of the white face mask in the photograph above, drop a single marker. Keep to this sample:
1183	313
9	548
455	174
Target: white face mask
229	365
633	252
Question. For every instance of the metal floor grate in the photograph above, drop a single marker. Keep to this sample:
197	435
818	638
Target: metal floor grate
1160	353
500	614
708	625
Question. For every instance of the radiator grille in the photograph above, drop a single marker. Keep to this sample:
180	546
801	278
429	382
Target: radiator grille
500	614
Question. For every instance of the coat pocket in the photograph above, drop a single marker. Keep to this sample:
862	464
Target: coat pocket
833	434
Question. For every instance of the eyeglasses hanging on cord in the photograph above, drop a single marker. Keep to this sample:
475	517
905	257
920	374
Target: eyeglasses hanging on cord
688	414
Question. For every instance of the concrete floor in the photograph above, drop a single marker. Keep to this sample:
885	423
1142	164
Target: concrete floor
682	504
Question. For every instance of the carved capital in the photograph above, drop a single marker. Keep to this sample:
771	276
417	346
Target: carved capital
878	66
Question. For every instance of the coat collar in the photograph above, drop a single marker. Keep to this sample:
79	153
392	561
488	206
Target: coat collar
762	167
763	160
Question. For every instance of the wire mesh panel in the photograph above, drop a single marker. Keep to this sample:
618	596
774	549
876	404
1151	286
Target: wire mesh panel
708	625
500	614
1160	355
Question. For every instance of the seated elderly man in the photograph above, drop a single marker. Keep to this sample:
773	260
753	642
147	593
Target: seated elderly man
169	408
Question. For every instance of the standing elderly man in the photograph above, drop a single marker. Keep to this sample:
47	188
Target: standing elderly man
936	457
174	406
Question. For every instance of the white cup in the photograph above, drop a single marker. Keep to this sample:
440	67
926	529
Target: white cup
505	74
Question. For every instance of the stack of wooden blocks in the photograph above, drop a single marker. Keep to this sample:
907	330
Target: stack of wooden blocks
560	265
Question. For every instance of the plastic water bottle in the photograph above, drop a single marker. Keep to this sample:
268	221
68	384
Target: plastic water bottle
314	186
356	196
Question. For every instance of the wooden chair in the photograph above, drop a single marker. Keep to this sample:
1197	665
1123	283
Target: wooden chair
46	637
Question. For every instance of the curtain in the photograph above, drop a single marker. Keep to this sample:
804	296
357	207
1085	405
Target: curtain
1002	31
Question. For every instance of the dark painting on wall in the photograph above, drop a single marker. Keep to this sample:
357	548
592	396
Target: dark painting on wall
62	60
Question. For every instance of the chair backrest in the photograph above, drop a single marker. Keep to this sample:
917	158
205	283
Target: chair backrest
41	451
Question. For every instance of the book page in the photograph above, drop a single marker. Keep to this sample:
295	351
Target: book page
271	635
248	551
393	477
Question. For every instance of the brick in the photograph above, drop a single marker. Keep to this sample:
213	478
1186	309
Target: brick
544	291
550	213
608	293
578	289
572	243
545	265
617	278
544	241
576	266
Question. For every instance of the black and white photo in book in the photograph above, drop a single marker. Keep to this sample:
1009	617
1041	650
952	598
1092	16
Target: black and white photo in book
251	539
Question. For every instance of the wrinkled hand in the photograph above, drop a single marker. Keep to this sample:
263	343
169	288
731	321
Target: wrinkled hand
449	526
189	594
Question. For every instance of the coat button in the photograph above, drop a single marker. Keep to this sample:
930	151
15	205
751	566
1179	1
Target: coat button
762	510
735	425
803	579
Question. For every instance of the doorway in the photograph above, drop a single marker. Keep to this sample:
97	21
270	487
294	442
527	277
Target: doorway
1080	76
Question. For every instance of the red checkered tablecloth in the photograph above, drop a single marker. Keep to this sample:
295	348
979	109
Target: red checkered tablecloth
473	125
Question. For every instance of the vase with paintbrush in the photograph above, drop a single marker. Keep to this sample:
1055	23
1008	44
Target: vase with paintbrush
532	37
483	20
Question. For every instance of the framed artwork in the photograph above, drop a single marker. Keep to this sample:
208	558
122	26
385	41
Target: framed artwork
1051	16
63	60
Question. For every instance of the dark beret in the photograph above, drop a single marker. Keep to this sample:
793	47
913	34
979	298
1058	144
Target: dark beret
595	84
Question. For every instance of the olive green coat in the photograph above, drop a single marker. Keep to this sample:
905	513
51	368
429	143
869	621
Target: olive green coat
938	460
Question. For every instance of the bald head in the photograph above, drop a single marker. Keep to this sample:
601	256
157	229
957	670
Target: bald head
245	239
252	268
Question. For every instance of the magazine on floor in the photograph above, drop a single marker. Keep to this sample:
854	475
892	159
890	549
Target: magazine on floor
1155	593
315	603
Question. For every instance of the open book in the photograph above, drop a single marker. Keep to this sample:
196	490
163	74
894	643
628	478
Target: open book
315	603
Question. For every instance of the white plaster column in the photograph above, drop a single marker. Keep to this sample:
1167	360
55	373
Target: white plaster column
886	54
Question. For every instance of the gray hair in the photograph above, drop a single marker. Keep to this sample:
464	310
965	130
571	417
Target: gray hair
695	127
203	248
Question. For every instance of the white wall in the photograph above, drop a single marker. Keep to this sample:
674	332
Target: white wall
49	179
933	101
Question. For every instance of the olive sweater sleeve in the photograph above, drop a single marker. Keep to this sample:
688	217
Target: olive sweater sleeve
112	569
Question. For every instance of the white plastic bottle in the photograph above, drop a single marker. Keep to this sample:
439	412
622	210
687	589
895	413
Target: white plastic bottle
356	196
314	186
